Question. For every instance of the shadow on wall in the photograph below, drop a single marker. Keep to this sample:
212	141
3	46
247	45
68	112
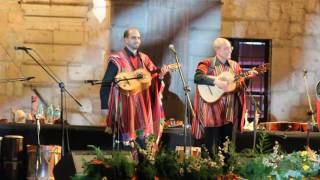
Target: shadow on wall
162	22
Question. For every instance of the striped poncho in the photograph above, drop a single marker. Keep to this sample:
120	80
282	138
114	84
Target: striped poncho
228	109
141	114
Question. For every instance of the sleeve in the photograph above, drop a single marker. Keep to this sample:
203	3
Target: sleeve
107	80
200	76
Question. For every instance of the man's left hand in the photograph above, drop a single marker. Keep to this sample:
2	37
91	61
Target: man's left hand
252	73
164	70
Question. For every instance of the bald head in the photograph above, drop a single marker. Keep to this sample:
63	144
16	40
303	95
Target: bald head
222	48
220	42
132	38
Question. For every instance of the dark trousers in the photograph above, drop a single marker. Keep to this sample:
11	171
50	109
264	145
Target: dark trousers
216	136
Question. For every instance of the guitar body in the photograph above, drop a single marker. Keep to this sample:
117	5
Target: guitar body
128	85
131	83
211	94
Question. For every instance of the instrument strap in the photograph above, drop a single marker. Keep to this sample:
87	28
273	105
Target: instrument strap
124	55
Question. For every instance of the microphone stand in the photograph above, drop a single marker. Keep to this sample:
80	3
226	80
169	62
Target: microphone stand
38	150
63	90
16	79
310	112
188	107
256	117
115	124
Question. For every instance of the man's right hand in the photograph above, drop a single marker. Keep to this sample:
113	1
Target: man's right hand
221	84
104	112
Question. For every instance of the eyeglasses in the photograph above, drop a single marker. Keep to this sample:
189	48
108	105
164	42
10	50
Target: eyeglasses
228	48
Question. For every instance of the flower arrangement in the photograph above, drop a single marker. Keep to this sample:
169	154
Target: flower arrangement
264	162
120	166
298	165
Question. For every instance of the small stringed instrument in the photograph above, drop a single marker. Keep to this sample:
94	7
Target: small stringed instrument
211	94
130	83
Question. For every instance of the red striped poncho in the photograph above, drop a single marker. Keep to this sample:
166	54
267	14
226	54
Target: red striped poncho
228	109
138	115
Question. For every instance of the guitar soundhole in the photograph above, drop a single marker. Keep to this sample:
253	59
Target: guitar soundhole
139	76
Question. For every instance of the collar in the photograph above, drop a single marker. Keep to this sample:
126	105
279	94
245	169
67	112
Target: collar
218	62
130	53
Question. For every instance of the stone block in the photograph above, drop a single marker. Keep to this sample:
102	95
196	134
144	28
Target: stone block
279	29
312	24
36	1
68	37
40	23
227	28
4	17
9	89
240	28
80	72
93	55
3	54
256	10
296	29
13	70
310	42
311	59
73	2
41	76
281	104
280	80
44	50
274	10
55	10
297	11
285	7
281	57
71	26
296	59
3	70
38	36
15	17
299	113
233	9
67	53
297	41
312	6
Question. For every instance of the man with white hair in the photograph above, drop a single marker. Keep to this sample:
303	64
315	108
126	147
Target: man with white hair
215	121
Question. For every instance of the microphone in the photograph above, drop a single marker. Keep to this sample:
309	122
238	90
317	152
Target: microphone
90	81
22	48
171	47
28	78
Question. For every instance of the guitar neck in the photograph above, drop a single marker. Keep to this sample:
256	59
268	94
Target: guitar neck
260	69
171	67
242	75
158	70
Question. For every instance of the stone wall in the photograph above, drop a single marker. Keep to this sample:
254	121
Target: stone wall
293	27
69	38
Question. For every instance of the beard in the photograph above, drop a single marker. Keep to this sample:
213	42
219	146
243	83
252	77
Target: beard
134	46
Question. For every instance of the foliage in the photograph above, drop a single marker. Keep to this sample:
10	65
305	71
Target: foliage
260	163
167	164
117	167
298	165
264	144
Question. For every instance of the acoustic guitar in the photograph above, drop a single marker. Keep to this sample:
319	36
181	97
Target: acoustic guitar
211	94
131	83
